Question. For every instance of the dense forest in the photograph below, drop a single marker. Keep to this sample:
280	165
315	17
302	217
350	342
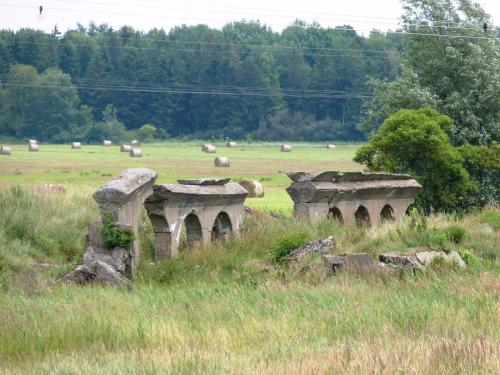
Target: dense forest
243	81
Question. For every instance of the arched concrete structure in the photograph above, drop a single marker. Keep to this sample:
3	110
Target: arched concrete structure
336	215
194	232
206	199
387	214
222	228
362	217
315	197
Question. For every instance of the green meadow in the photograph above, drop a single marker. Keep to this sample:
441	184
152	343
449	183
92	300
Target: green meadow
93	165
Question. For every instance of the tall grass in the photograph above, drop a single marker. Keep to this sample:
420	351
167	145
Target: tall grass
232	308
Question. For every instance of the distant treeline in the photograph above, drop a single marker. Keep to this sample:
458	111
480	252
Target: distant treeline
242	82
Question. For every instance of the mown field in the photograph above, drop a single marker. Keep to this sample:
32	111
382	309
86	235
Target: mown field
231	307
93	165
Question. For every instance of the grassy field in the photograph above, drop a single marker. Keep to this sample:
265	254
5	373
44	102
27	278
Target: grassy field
93	165
229	307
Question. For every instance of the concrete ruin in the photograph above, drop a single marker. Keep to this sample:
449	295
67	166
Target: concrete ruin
365	198
123	199
208	208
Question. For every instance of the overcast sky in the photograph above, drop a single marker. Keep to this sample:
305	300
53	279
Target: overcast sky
364	15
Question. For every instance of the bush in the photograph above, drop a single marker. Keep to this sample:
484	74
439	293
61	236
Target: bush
469	258
492	218
455	233
115	236
288	243
415	142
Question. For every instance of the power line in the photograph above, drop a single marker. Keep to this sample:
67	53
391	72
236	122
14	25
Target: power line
293	25
211	10
190	91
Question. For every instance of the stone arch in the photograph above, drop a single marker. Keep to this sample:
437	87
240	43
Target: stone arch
194	231
222	227
335	214
362	217
387	214
162	236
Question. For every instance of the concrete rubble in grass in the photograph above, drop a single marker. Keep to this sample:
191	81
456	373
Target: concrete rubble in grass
366	198
322	246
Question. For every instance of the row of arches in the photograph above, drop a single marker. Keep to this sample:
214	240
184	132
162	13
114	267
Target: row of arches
362	216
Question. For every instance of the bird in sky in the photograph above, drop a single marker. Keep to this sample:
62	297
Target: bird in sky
40	9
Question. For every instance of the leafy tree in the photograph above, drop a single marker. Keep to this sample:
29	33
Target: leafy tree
415	142
146	132
462	72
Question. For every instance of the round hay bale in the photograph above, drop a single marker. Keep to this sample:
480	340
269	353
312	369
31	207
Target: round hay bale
5	150
33	147
330	147
254	188
76	145
286	148
136	153
125	148
231	144
107	143
210	149
32	141
221	162
135	142
204	147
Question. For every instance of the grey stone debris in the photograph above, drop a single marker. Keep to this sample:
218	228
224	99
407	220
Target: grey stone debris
420	260
254	188
96	271
353	262
365	198
221	162
322	246
208	208
5	150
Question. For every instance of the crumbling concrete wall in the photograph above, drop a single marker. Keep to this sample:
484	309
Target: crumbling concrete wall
209	209
366	198
123	198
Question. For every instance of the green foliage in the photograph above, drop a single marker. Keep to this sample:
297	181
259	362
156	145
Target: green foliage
116	236
458	77
289	242
483	165
455	233
415	142
146	133
492	218
470	259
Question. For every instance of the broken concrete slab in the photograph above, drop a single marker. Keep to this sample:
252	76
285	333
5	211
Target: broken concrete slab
427	257
116	258
322	246
96	271
401	260
351	261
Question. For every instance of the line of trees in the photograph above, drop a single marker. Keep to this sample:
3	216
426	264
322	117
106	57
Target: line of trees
305	83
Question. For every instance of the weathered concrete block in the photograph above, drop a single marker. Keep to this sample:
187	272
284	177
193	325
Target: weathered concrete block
208	208
366	198
322	246
123	198
96	271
